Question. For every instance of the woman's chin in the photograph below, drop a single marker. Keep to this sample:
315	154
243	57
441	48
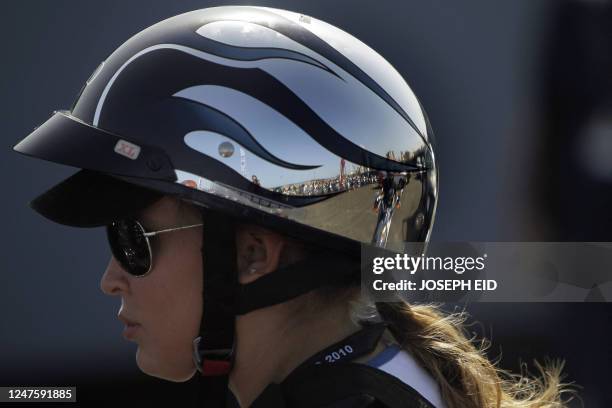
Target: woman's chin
152	367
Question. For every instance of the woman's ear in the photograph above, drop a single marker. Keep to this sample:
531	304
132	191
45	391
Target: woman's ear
258	251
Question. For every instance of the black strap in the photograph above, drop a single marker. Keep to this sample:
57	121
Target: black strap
296	279
215	347
223	298
354	346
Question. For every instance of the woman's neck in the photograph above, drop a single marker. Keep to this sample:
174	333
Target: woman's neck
273	341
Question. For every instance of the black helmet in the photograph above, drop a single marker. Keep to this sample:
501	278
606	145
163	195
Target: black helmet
257	114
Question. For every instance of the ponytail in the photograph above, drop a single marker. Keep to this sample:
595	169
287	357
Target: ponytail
466	377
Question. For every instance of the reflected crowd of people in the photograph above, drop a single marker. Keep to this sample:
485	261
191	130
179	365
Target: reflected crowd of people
329	185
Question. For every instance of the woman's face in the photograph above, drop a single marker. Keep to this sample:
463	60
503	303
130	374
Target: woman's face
167	303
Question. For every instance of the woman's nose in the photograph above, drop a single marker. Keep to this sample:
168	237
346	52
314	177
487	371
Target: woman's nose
114	280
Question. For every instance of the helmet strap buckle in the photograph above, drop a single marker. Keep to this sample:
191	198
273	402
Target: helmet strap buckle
212	362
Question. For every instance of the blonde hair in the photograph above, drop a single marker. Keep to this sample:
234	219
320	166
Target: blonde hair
467	378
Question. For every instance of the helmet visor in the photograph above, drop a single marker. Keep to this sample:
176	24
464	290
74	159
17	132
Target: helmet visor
67	140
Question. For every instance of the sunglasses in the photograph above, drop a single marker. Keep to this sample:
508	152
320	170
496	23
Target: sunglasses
129	243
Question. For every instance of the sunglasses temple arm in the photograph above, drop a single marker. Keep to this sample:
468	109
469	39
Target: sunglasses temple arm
153	233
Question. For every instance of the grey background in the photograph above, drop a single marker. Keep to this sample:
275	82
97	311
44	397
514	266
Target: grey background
476	67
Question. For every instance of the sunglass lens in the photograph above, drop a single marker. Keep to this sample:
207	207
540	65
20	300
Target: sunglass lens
129	246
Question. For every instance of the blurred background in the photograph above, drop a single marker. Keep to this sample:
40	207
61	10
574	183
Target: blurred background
519	94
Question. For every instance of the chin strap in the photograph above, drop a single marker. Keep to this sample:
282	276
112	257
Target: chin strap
291	281
213	350
223	298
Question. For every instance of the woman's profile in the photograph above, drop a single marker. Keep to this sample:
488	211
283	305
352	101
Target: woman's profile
231	154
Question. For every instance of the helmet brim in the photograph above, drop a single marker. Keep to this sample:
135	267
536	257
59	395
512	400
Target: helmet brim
91	199
67	140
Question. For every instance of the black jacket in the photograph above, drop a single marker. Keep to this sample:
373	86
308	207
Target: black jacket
329	379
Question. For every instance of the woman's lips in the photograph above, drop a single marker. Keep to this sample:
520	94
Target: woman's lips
130	331
131	327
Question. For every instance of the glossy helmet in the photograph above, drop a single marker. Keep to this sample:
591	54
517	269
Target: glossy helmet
257	114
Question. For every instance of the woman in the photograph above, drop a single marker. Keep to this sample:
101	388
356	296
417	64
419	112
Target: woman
273	341
256	284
